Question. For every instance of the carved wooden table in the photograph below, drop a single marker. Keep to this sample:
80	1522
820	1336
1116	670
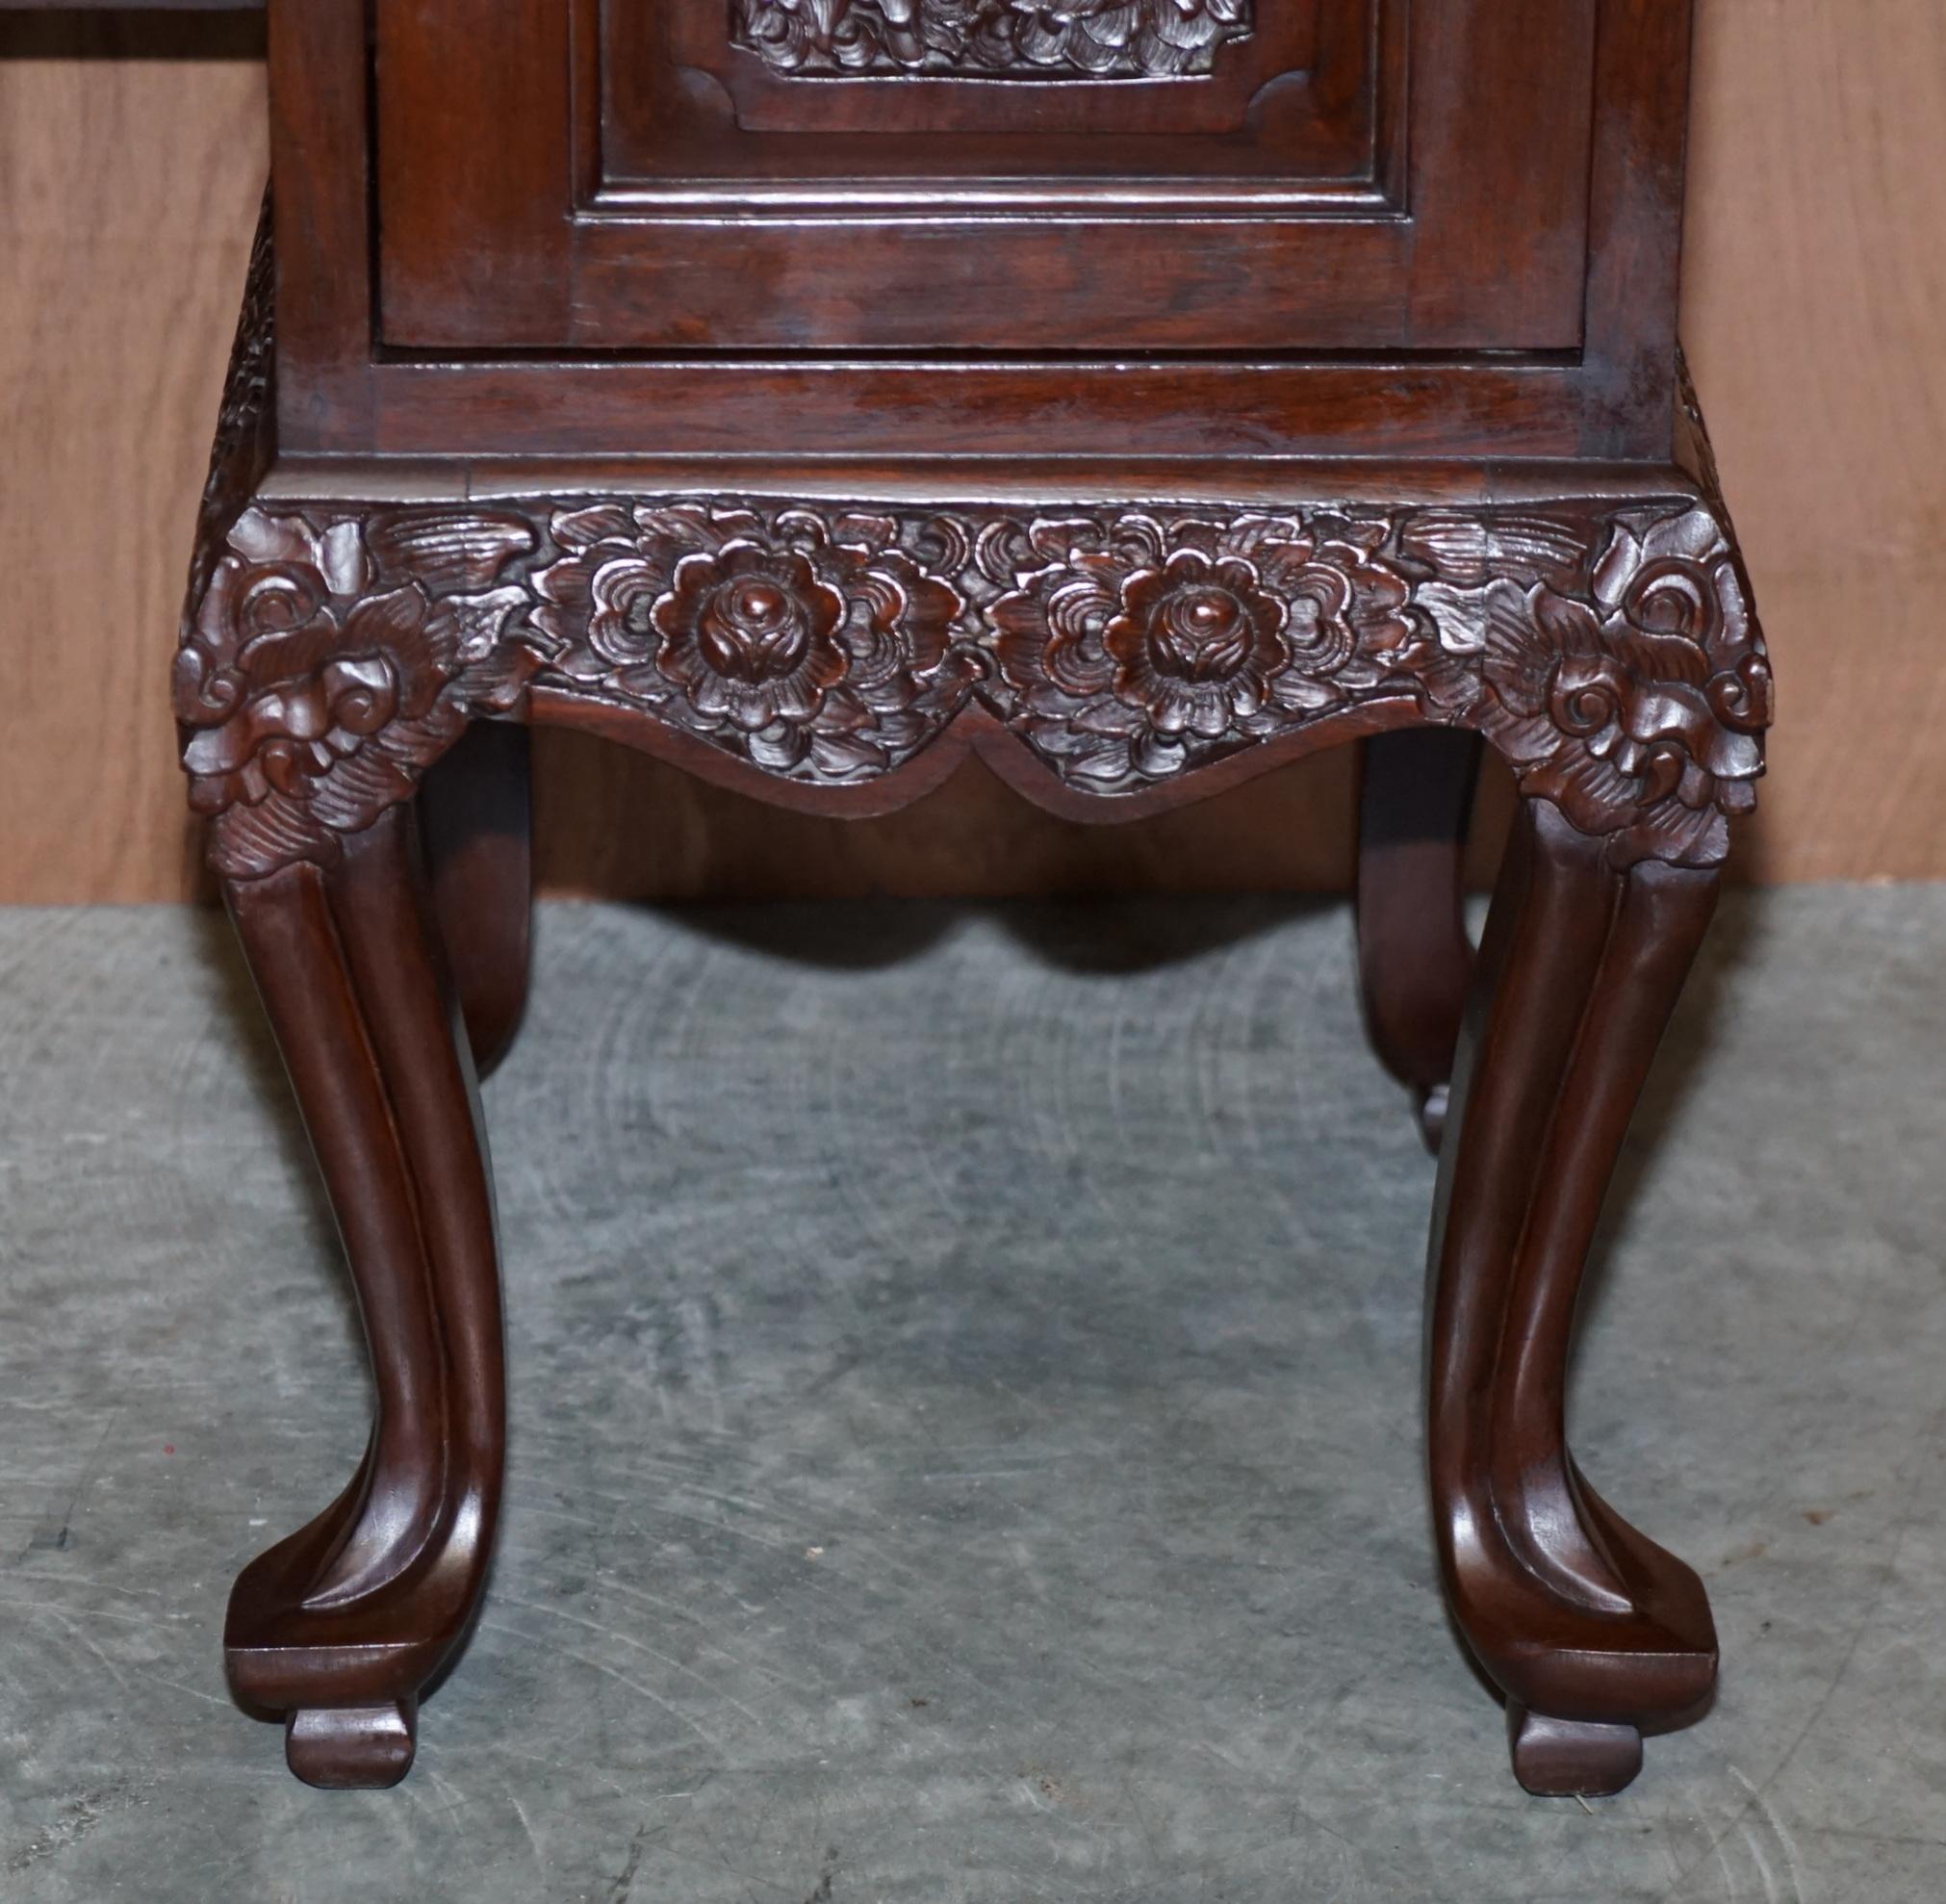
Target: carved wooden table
1134	396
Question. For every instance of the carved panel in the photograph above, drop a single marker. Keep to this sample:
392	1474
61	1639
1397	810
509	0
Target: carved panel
240	451
327	665
1610	654
989	38
826	645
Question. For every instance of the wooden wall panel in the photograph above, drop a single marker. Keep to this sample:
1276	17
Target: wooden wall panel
131	167
1815	312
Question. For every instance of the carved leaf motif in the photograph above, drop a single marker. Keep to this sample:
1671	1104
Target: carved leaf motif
989	38
325	666
1609	652
1633	695
823	647
330	653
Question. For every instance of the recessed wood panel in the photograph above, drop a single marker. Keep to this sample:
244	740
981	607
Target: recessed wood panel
997	39
680	92
626	177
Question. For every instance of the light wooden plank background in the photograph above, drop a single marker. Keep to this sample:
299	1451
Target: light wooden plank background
1815	314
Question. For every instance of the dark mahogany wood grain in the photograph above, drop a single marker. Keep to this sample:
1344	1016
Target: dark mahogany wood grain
1595	1633
338	1627
1122	241
1606	400
1124	654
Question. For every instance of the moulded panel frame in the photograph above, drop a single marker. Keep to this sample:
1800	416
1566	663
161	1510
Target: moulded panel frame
342	394
494	235
1255	136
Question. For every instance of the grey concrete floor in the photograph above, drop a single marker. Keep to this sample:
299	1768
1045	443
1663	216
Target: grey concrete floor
964	1445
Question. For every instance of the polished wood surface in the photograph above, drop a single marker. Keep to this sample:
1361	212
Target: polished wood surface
122	7
1606	400
337	651
489	472
336	1628
1593	1632
475	822
1142	207
1415	959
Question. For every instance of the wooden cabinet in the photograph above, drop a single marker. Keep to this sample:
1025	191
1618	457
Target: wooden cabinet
1333	175
1308	227
826	394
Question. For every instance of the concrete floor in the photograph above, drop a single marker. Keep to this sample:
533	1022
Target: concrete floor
965	1370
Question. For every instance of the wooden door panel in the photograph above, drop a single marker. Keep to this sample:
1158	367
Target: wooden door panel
675	66
474	123
1000	40
915	287
645	175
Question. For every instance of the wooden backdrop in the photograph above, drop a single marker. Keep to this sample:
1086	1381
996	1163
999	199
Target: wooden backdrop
1815	316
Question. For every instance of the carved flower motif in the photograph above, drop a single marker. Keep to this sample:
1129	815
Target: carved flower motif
306	691
314	693
1139	39
1638	709
752	636
1135	648
797	642
1611	655
1196	643
1676	581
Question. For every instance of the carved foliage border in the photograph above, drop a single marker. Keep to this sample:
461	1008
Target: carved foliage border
241	449
1611	654
989	38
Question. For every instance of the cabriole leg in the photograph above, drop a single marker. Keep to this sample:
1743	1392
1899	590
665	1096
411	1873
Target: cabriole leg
340	1626
1415	961
475	818
1595	1633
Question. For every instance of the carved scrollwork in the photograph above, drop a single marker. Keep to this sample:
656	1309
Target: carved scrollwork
1613	658
1609	652
989	38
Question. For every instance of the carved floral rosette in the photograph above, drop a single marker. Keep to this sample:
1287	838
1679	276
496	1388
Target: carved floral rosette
990	39
1620	673
327	665
820	646
1130	647
1611	655
1609	652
